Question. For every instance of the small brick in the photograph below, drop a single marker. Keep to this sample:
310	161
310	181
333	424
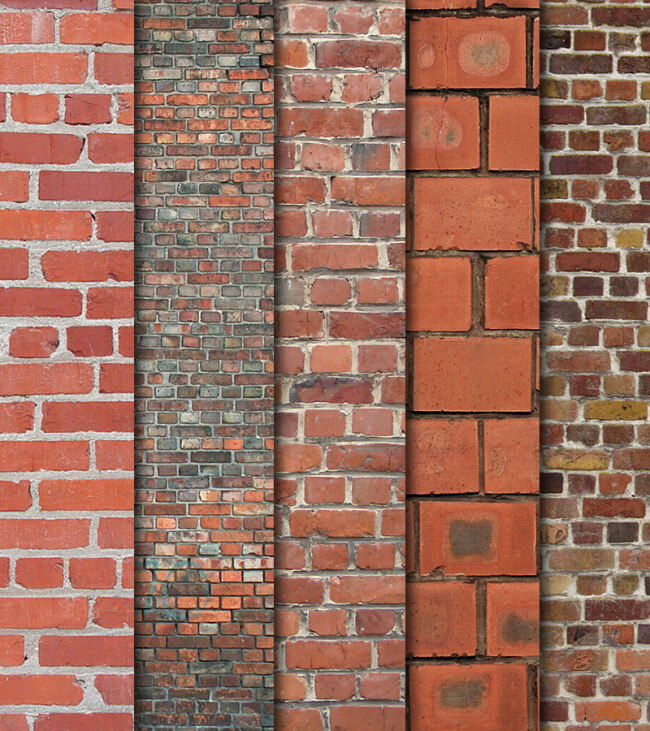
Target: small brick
513	619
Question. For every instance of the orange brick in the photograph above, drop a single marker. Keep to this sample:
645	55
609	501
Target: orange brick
472	214
441	456
511	455
512	293
514	118
439	294
513	619
467	53
440	619
472	374
487	697
478	539
443	133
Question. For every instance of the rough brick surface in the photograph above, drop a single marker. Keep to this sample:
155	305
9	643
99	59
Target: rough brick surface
596	370
66	370
340	357
472	314
204	332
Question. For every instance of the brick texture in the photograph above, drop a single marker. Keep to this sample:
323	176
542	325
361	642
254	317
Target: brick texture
596	367
204	333
66	367
472	599
340	191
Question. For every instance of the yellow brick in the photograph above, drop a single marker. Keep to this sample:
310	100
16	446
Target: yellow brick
552	385
554	286
644	335
616	410
555	585
645	90
576	459
625	584
630	238
553	533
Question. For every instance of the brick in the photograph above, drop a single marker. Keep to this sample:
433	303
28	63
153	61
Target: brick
513	619
86	495
512	293
439	294
442	456
23	225
472	214
441	619
331	655
86	651
80	721
510	116
16	418
12	651
55	185
43	68
43	612
39	573
487	696
443	133
34	456
87	266
84	342
481	539
26	379
472	374
115	225
97	28
511	453
33	342
110	148
14	187
30	148
45	690
26	28
479	53
109	303
105	416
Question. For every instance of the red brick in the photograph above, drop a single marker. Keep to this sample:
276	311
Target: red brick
113	612
30	378
104	416
511	455
113	68
57	185
514	117
43	68
472	374
39	573
33	342
85	651
469	696
116	378
116	690
12	651
92	573
26	28
479	539
97	28
87	108
332	655
115	225
114	455
33	148
513	619
467	53
43	612
83	721
442	456
441	619
439	294
14	495
115	533
350	717
90	341
110	303
443	133
36	456
110	148
25	225
14	186
40	690
14	264
512	293
86	495
16	418
472	214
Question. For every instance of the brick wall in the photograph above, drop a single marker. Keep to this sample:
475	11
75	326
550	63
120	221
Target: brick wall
596	366
472	315
205	353
340	355
66	372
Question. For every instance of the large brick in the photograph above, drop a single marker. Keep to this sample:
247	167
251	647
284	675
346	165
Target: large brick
439	294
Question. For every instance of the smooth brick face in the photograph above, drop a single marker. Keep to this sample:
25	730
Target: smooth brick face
478	539
472	214
511	454
439	294
204	331
514	118
442	456
443	133
340	339
490	697
513	619
63	582
478	52
594	320
473	374
512	293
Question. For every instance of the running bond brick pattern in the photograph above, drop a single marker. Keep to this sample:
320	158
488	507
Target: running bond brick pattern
204	445
66	368
596	365
340	356
472	316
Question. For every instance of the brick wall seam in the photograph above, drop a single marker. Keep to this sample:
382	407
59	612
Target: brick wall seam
66	365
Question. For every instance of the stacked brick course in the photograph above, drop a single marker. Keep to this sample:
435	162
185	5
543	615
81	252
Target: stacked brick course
595	212
66	371
472	312
340	356
204	443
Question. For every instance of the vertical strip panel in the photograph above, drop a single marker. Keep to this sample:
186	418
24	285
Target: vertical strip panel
340	357
66	367
204	372
596	386
472	318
